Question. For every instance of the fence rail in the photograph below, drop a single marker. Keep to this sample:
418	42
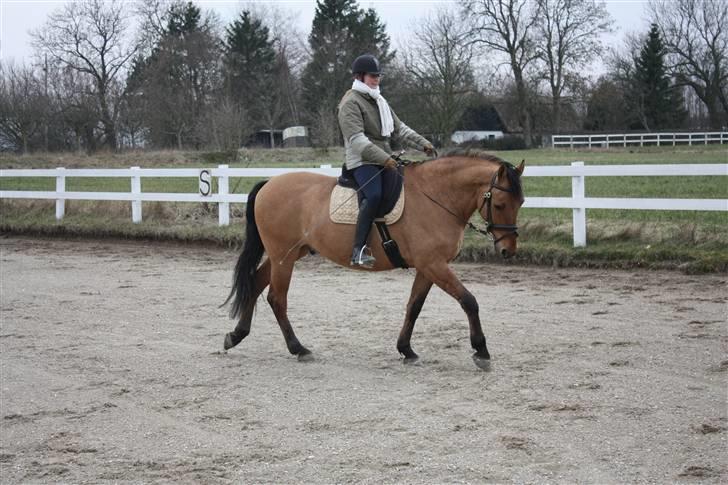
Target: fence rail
641	139
578	202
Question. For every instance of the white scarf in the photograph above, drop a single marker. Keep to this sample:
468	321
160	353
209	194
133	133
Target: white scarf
385	114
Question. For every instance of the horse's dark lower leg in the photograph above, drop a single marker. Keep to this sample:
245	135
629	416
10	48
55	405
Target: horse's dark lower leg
477	338
420	289
242	329
444	278
278	300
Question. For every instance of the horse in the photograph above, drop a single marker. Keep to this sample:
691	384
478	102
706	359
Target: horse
287	218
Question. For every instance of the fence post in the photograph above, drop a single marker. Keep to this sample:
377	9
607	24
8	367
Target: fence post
60	188
136	204
579	217
223	188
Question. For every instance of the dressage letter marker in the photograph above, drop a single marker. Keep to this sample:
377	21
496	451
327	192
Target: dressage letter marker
205	183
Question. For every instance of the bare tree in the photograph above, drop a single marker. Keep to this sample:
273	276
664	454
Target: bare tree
89	37
153	16
695	33
507	27
439	67
227	125
568	39
325	134
77	109
22	107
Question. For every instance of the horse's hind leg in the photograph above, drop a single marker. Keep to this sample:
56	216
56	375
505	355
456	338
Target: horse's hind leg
242	329
280	280
420	289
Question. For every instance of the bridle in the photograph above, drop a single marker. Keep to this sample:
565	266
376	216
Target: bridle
511	229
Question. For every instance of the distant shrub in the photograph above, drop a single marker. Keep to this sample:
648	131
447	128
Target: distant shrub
508	142
496	144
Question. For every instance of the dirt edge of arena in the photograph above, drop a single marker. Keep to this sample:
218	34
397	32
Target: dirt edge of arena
631	256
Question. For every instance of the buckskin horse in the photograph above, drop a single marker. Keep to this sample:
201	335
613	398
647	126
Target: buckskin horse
288	218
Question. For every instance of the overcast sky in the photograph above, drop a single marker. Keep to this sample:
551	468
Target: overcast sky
17	17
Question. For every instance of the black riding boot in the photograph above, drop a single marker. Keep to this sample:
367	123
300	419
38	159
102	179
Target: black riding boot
361	256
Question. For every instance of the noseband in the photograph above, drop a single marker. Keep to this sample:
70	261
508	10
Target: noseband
511	229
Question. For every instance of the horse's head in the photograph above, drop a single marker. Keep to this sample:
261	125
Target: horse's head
501	201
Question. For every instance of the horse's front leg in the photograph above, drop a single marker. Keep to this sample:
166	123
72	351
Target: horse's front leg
444	277
420	289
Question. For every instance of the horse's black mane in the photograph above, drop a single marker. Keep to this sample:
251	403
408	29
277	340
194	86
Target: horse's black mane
512	174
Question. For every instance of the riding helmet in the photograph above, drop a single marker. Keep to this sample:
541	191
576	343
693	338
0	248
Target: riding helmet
366	64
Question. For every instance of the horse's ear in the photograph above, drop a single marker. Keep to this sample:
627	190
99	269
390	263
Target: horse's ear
520	167
502	171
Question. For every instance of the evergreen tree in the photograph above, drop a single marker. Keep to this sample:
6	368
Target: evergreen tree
249	60
656	104
175	82
183	19
341	31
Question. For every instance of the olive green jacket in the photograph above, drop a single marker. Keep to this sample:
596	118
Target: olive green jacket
362	130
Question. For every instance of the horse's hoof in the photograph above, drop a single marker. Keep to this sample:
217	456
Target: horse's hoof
228	342
305	356
483	363
411	360
407	352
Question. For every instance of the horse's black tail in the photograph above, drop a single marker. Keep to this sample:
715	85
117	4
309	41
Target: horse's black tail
243	291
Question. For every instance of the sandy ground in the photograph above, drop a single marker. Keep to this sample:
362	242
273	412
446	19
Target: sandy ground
112	370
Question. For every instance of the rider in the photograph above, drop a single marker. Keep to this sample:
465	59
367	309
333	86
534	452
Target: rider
368	123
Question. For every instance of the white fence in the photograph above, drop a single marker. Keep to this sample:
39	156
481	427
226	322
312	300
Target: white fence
641	139
577	202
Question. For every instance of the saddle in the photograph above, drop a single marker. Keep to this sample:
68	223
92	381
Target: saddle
344	207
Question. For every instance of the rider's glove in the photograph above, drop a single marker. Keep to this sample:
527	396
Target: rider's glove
429	150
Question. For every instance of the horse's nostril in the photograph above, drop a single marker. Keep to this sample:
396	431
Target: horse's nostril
505	253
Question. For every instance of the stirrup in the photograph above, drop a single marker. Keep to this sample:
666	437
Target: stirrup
363	258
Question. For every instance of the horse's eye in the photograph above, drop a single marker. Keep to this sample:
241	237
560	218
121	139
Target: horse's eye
500	207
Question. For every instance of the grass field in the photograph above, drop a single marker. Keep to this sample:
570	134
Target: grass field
695	241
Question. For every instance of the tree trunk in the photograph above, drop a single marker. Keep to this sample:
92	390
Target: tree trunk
714	109
524	112
556	113
107	120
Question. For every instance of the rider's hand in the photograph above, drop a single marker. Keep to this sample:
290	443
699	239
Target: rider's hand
429	149
390	163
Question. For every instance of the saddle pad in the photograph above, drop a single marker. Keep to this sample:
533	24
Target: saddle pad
344	207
